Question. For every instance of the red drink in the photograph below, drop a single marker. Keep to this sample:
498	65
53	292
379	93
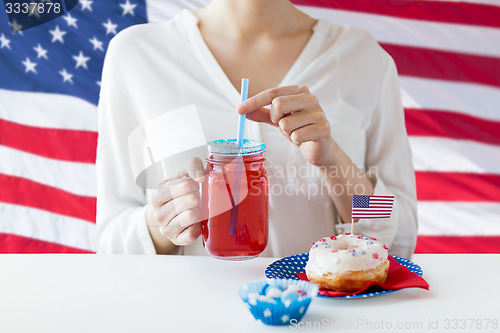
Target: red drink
236	231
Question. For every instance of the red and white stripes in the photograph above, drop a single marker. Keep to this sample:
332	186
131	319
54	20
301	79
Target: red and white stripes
448	57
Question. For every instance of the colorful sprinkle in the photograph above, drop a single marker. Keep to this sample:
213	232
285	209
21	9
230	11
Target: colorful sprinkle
347	233
375	256
360	237
369	242
351	250
333	237
373	238
353	253
361	252
321	240
385	247
334	250
364	237
311	245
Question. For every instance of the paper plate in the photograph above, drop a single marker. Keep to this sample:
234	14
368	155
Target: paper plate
285	268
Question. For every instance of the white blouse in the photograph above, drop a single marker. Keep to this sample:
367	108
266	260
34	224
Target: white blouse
153	68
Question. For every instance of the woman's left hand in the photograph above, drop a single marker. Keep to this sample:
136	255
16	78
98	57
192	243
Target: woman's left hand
297	113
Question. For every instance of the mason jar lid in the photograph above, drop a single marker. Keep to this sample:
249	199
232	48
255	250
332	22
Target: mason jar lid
229	148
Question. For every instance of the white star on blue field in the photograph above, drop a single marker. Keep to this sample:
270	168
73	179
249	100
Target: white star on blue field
65	55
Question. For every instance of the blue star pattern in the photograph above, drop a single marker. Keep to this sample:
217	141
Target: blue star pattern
65	55
360	201
286	268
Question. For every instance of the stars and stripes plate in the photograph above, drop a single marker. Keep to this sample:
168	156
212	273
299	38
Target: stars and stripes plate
287	267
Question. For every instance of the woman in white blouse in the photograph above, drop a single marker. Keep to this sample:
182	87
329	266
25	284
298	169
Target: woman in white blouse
335	126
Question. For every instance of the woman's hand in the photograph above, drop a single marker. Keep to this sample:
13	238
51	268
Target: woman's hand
174	208
297	113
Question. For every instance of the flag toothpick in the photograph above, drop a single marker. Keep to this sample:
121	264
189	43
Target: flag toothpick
371	207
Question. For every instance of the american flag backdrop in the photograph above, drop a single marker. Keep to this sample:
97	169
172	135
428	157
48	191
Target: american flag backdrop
448	57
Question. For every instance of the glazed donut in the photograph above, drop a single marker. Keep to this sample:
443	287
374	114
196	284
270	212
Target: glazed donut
347	262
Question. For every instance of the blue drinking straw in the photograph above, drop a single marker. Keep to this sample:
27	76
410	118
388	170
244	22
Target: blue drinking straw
233	219
241	121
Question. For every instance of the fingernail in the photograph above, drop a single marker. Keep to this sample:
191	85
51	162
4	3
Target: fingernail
242	108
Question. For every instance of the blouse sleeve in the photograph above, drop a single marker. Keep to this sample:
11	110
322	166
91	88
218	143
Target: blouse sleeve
121	212
389	162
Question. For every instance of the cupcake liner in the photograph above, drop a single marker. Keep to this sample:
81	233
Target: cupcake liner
291	305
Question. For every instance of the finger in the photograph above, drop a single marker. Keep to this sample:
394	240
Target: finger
297	120
261	115
193	168
180	222
313	132
173	189
176	206
189	235
266	97
285	105
188	217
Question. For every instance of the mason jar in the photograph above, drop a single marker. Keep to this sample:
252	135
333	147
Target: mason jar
235	199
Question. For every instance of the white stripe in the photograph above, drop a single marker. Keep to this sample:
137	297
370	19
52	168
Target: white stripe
479	2
459	218
464	38
465	98
76	178
438	154
161	10
439	36
48	110
46	226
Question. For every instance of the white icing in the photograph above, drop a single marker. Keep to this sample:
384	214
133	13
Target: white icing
323	261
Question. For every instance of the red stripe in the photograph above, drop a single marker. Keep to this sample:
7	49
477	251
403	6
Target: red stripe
458	244
388	214
371	210
456	186
21	191
445	65
436	11
60	144
451	125
18	244
373	216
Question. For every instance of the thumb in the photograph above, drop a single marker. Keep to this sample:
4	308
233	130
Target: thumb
194	168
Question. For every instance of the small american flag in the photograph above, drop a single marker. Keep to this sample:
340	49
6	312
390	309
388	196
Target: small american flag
372	206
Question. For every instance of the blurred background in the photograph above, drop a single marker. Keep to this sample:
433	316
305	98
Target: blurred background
448	58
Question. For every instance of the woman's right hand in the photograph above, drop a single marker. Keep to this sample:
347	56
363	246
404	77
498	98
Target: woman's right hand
175	206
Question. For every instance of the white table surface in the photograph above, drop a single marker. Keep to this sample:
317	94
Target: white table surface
98	293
